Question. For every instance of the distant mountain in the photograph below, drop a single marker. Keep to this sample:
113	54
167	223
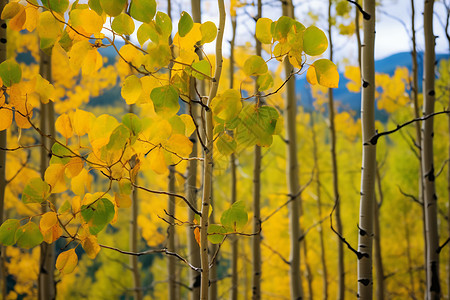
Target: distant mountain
352	101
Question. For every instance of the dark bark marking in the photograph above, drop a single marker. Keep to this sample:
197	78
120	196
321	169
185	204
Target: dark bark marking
3	40
365	282
365	84
431	93
430	174
435	286
4	25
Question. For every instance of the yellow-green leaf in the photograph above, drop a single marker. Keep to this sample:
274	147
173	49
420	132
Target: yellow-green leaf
131	89
11	10
185	24
255	65
315	41
36	191
59	6
227	105
165	100
113	7
67	261
8	232
28	236
143	10
10	72
209	32
164	23
123	24
216	233
91	246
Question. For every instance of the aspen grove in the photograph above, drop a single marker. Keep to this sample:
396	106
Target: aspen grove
207	179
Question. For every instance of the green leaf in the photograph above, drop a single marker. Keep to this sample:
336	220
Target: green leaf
264	82
98	214
60	154
133	123
165	100
59	6
262	30
95	6
143	10
164	23
65	207
216	233
10	72
202	66
8	232
113	7
226	144
326	73
123	24
255	65
235	218
36	191
28	236
315	41
159	57
119	138
185	24
209	32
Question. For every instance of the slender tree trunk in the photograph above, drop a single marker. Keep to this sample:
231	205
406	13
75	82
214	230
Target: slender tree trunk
319	208
430	199
339	229
192	175
171	263
213	248
292	172
358	34
3	144
366	216
234	238
208	159
380	291
256	239
415	95
47	285
409	257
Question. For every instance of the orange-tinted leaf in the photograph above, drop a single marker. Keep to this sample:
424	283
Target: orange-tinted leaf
67	261
91	246
64	126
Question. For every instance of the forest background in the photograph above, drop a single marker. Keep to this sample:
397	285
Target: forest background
105	143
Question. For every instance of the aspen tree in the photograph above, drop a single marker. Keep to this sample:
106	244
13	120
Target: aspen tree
365	281
378	262
334	163
192	173
171	263
208	157
433	290
234	239
3	144
292	173
256	207
323	259
47	286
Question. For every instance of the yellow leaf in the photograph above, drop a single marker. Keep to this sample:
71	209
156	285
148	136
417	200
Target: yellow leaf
188	123
101	130
179	144
11	10
49	227
32	18
6	116
18	21
311	75
354	75
78	54
157	161
92	62
82	121
227	105
87	19
22	114
122	200
131	89
64	126
49	27
54	176
131	55
67	261
76	205
44	88
74	167
91	246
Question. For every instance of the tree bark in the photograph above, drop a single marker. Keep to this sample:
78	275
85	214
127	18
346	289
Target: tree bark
339	229
46	280
366	216
208	159
380	284
430	199
171	260
319	209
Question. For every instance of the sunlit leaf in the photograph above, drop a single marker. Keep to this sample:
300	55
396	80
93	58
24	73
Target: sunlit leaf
67	261
164	23
262	30
101	130
49	29
227	105
133	123
44	88
11	10
49	227
185	24
81	122
147	31
255	65
179	144
78	54
131	89
203	67
59	6
6	116
96	6
119	138
143	10
74	167
282	27
264	82
165	100
36	191
55	177
8	232
64	126
123	24
87	19
28	236
326	73
226	144
209	32
157	161
315	41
